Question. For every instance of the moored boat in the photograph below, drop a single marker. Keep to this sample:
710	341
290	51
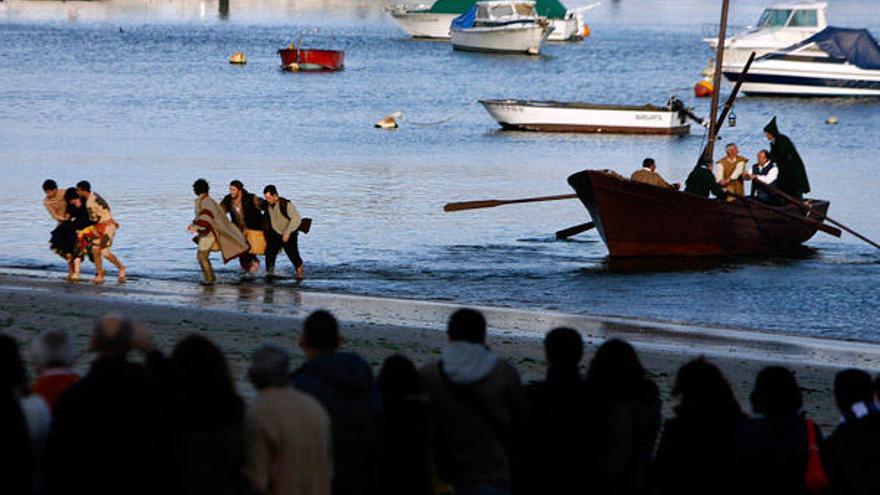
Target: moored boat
641	220
554	116
310	59
780	25
833	62
434	21
500	26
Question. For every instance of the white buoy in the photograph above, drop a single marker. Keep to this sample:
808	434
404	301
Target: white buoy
389	122
831	120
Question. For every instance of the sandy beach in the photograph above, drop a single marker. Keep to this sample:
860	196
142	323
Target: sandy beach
239	318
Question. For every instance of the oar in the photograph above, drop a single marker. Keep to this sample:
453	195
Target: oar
492	203
809	221
797	202
577	229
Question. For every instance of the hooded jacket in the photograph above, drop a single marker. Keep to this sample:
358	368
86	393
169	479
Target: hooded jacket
478	403
343	383
792	173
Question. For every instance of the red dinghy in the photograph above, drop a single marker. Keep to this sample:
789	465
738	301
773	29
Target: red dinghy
308	59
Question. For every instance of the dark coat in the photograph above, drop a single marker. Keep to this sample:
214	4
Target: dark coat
343	383
112	432
792	172
696	453
771	455
852	457
470	447
252	213
701	182
405	450
16	468
555	436
621	436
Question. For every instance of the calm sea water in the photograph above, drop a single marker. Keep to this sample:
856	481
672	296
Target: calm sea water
138	98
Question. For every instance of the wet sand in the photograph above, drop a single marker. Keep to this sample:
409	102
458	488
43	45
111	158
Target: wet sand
239	318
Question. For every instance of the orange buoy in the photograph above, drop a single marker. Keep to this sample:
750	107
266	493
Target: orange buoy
238	58
586	33
703	88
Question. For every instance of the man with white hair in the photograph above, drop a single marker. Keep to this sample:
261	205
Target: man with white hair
52	355
288	432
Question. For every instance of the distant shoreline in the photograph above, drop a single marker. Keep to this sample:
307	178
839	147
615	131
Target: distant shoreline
379	327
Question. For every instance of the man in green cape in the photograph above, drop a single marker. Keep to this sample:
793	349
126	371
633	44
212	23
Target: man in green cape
792	174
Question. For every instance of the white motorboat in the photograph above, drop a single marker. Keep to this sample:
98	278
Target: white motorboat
779	26
833	62
554	116
420	22
433	21
500	26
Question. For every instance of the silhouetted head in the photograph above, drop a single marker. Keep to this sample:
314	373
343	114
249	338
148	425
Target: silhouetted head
399	377
615	369
49	185
850	387
776	392
200	186
71	195
563	348
84	186
649	164
13	375
270	367
467	325
771	130
52	349
111	336
200	370
320	333
704	392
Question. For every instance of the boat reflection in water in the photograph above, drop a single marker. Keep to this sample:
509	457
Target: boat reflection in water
666	264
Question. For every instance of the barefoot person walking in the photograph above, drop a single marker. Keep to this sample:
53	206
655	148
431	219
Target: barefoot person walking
215	232
104	231
282	232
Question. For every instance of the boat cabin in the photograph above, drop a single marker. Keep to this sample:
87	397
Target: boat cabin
809	16
505	12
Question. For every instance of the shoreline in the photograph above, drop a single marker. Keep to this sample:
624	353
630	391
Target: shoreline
238	318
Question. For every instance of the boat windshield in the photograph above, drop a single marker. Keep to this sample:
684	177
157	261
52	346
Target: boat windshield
804	18
504	10
774	18
525	9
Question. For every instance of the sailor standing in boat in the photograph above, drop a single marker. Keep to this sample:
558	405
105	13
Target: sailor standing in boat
792	173
282	231
766	172
729	172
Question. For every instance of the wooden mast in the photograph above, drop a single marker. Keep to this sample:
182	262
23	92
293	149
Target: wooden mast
716	85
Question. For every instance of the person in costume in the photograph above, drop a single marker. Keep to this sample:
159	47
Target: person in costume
105	231
282	231
792	173
768	173
648	175
701	180
729	171
244	209
67	238
214	232
54	201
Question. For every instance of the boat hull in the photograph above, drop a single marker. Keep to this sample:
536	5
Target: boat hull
313	60
641	220
504	39
792	75
425	24
544	116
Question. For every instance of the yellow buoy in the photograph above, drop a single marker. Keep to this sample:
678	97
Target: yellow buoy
238	58
292	67
831	120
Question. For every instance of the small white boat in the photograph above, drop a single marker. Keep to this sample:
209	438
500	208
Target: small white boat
434	21
420	22
779	26
834	62
500	26
554	116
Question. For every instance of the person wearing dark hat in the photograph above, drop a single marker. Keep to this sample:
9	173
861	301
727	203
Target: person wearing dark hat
792	173
701	180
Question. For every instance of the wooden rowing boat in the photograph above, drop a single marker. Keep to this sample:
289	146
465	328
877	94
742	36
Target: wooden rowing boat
636	219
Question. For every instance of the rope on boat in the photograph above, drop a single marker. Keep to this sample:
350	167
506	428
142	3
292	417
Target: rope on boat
446	119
